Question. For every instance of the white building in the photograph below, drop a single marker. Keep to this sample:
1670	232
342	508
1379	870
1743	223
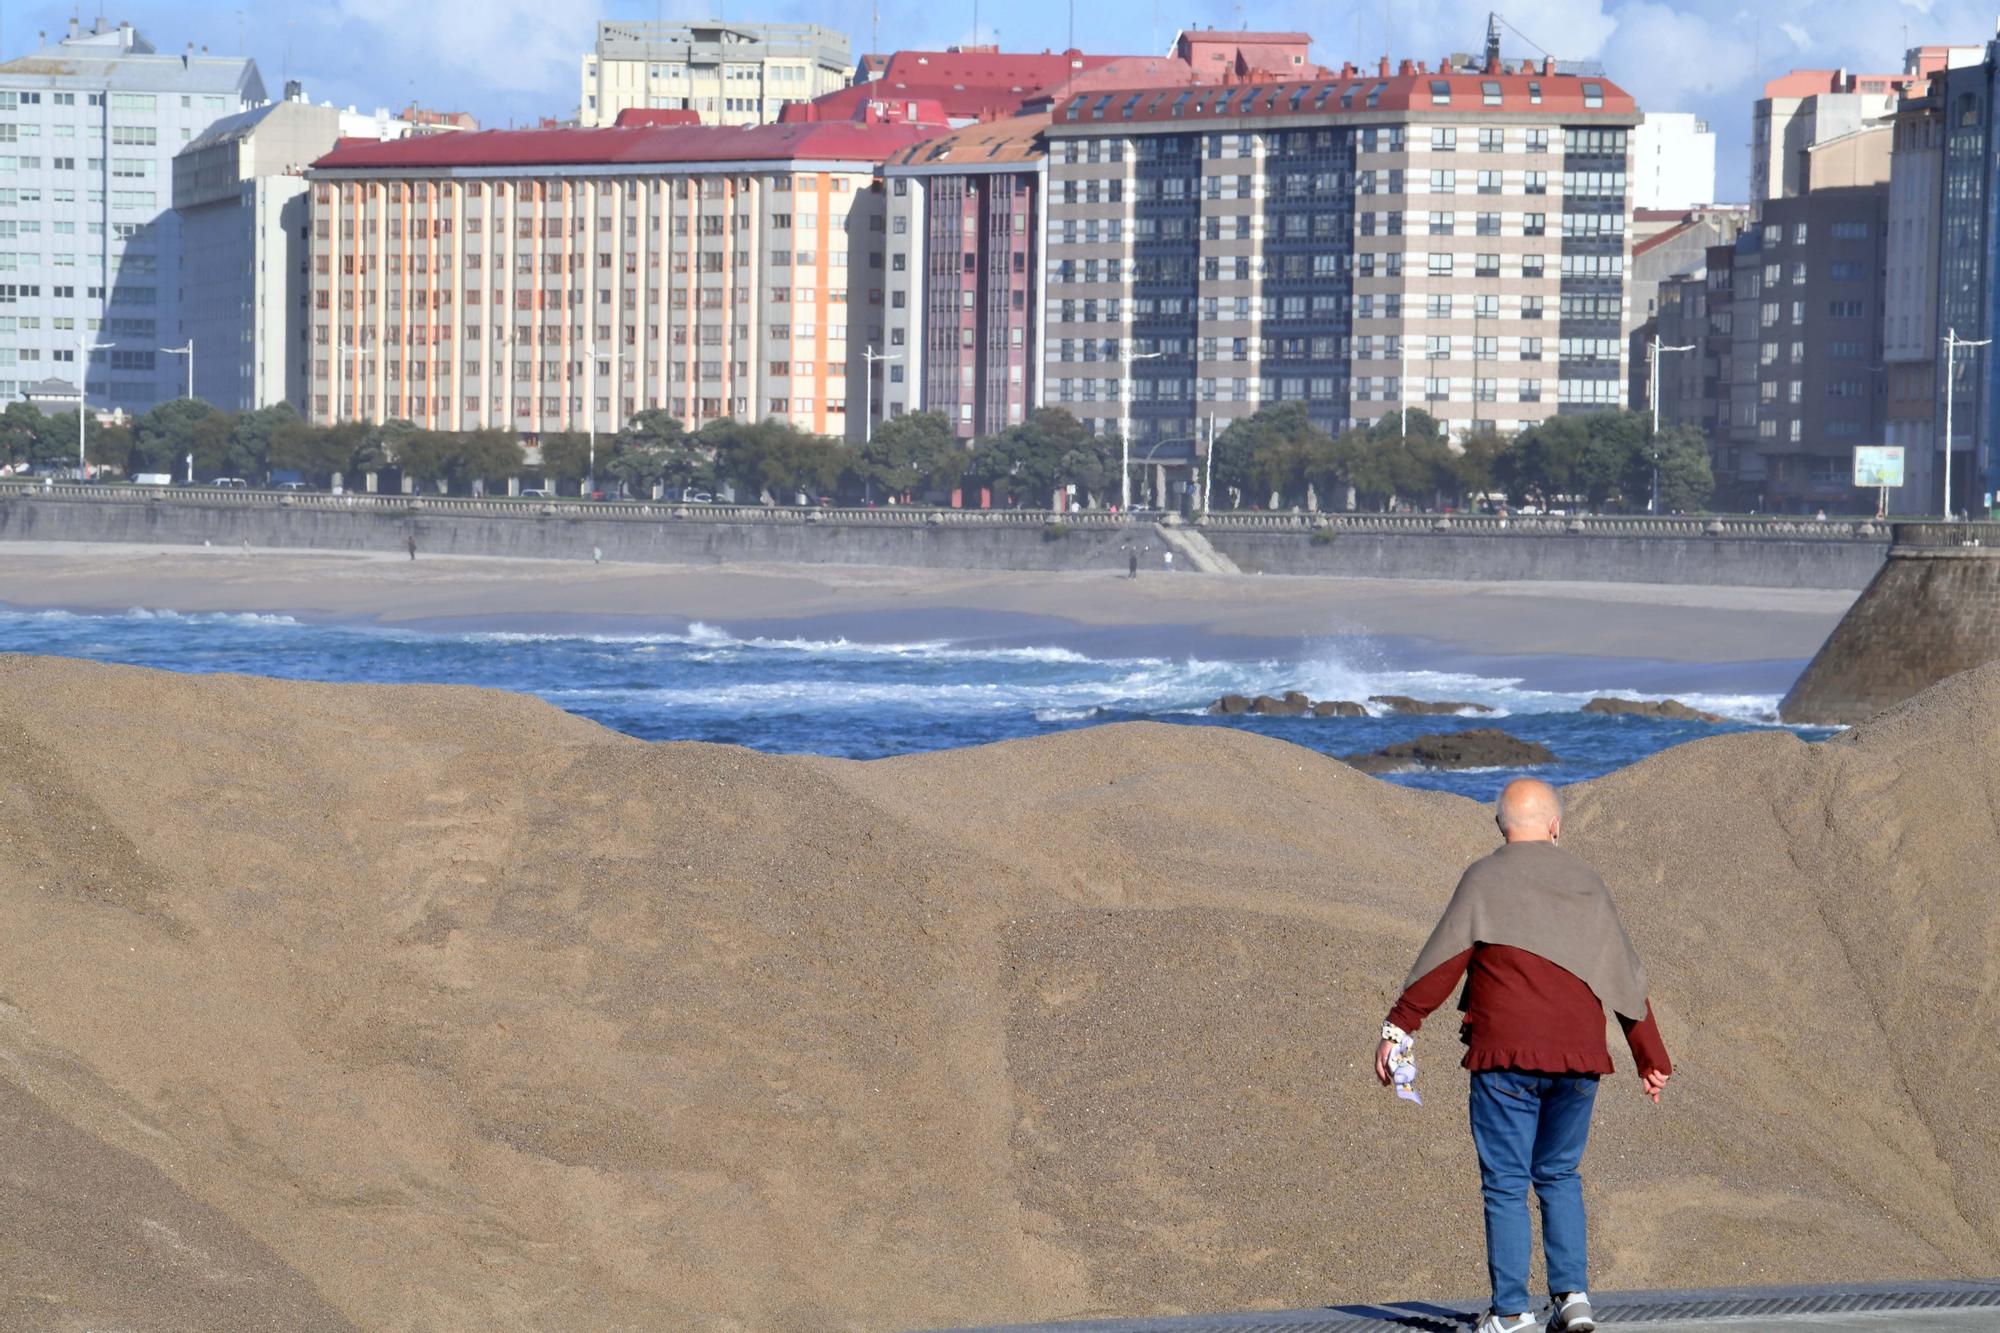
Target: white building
240	190
89	126
728	73
1673	162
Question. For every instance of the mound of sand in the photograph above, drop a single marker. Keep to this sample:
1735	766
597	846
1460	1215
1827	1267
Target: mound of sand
438	1008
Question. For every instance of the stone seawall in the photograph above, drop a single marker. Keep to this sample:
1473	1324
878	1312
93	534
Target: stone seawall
1736	552
1932	611
1770	562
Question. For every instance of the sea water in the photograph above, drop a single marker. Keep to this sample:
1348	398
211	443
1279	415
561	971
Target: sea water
855	698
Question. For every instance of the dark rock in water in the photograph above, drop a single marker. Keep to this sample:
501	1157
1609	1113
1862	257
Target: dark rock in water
1403	703
1293	704
1672	710
1338	708
1481	747
1230	705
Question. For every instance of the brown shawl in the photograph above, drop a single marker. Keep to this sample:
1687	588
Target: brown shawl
1535	896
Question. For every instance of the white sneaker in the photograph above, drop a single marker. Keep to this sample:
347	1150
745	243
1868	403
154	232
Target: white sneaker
1569	1312
1508	1323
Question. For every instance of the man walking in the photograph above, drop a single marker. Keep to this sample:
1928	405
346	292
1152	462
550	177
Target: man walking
1535	933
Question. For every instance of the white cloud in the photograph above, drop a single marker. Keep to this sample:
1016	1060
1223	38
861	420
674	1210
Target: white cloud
520	46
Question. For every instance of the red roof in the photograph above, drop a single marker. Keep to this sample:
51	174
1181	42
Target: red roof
1247	38
657	115
837	141
971	85
1349	93
1812	82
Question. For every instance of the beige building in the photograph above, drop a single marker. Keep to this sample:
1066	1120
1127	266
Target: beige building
1449	240
727	73
553	280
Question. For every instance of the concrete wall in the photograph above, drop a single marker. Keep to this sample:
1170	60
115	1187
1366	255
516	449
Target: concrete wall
1770	562
1932	611
559	537
1826	562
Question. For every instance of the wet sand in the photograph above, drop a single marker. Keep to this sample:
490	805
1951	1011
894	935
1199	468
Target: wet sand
1658	622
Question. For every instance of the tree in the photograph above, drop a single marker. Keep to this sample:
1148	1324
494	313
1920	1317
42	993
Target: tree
166	434
23	429
654	446
776	459
565	455
1271	452
1687	479
250	438
315	452
915	451
486	455
1051	449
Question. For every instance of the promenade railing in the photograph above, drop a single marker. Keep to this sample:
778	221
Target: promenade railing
1737	526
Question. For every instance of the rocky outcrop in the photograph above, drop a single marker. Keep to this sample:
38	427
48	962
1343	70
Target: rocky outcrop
1671	710
1404	704
1292	703
1481	747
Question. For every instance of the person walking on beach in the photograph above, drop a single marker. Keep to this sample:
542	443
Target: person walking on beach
1132	565
1536	934
413	546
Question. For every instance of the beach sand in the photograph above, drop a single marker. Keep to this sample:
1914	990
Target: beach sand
438	1008
1660	622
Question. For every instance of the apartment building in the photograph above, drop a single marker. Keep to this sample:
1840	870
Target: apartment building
1810	106
730	73
90	247
240	193
1910	329
964	316
1673	162
552	280
1450	239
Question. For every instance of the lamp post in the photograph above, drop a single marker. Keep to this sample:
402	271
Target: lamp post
188	352
1653	383
1952	342
868	391
84	347
1125	425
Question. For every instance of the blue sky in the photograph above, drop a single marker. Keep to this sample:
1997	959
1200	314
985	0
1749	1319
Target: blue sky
517	60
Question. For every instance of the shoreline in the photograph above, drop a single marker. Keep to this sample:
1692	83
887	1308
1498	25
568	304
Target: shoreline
1102	614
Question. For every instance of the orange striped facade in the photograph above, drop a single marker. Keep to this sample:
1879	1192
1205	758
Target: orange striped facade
566	299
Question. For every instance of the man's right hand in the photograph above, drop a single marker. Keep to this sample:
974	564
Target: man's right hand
1382	1061
1653	1081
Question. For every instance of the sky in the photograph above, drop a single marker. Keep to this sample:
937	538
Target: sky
515	61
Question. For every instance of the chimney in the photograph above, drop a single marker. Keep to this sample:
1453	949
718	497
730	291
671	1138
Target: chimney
1382	70
295	91
102	26
73	28
1548	66
1492	43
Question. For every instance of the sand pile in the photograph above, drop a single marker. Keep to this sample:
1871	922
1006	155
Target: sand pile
436	1008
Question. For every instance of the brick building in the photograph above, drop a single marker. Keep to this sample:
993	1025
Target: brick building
964	315
547	280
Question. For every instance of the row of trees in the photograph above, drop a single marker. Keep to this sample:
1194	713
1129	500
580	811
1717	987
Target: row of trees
1601	461
1277	456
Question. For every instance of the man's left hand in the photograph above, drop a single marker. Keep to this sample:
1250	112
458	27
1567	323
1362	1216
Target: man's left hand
1653	1081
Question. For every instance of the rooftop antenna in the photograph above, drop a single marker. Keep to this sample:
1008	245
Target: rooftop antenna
1492	43
1072	25
874	27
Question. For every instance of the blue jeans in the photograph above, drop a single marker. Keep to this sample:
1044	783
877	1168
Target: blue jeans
1532	1127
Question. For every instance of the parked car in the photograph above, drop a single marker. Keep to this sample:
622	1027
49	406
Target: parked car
291	487
230	484
152	479
534	493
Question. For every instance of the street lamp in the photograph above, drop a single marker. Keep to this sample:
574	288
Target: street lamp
868	392
1125	425
1952	342
188	352
84	347
1655	350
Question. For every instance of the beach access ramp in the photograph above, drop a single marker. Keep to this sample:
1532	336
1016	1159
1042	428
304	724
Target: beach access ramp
1194	548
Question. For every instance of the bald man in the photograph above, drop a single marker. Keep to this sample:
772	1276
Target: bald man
1534	932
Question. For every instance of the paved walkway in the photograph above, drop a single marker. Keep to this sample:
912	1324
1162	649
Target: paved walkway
1912	1307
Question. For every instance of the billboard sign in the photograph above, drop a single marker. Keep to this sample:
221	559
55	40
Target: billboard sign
1878	465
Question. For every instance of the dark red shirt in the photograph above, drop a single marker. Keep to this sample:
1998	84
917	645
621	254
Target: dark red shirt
1524	1012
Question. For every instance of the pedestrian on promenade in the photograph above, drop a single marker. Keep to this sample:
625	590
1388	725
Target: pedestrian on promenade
1170	562
1536	934
1132	565
413	546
